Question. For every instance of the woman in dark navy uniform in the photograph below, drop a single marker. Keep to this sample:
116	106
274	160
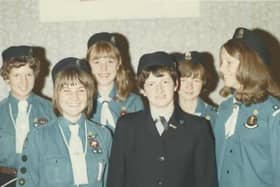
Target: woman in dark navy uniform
71	150
21	111
161	146
247	129
115	96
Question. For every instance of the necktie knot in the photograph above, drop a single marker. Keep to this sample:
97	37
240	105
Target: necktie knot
74	129
104	99
22	106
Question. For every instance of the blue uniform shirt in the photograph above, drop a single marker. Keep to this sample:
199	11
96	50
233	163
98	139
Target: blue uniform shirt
41	112
133	103
46	162
250	157
206	110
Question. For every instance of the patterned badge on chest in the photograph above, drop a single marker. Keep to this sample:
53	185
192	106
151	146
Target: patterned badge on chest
94	143
40	121
252	121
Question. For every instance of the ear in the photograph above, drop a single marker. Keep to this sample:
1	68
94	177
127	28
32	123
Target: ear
143	92
176	85
7	81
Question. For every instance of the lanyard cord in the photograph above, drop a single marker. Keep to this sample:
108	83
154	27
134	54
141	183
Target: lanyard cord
12	117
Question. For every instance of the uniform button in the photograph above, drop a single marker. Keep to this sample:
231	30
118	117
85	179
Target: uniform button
24	158
23	170
160	183
227	171
21	181
161	158
230	151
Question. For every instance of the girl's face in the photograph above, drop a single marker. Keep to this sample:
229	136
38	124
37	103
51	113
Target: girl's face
190	88
159	90
72	100
21	81
104	68
228	68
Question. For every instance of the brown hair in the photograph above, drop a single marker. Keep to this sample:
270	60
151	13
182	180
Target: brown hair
253	75
33	62
123	80
156	71
71	76
187	68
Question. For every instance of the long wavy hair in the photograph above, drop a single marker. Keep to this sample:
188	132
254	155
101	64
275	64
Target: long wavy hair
253	75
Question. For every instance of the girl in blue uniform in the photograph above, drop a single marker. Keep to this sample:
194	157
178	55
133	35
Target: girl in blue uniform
115	96
21	111
193	79
71	150
247	129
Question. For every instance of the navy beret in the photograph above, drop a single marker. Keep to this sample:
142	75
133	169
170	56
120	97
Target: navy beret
101	36
69	62
158	58
16	52
254	41
193	56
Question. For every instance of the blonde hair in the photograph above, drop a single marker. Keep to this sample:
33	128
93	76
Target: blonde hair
71	76
253	75
123	80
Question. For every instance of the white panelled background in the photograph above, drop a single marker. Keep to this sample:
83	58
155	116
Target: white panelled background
20	24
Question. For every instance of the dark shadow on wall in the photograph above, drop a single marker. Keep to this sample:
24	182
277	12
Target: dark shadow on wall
212	77
273	45
40	53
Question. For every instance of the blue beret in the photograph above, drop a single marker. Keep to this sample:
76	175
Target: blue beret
253	41
101	36
193	56
158	58
16	52
69	62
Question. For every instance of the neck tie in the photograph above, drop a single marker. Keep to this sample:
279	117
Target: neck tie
161	124
231	122
106	117
77	156
22	125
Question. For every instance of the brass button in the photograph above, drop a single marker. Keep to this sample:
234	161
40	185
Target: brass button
21	181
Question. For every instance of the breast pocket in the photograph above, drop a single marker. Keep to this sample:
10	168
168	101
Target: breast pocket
57	169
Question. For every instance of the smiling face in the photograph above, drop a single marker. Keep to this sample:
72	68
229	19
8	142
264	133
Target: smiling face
190	88
228	68
72	99
21	81
159	90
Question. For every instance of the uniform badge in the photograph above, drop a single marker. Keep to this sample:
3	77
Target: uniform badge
188	56
240	33
40	121
252	121
172	126
123	111
94	143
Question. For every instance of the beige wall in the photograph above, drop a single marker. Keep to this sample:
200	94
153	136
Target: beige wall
19	24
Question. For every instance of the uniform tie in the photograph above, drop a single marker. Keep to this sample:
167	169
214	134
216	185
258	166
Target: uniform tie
77	156
22	125
231	122
161	124
106	115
